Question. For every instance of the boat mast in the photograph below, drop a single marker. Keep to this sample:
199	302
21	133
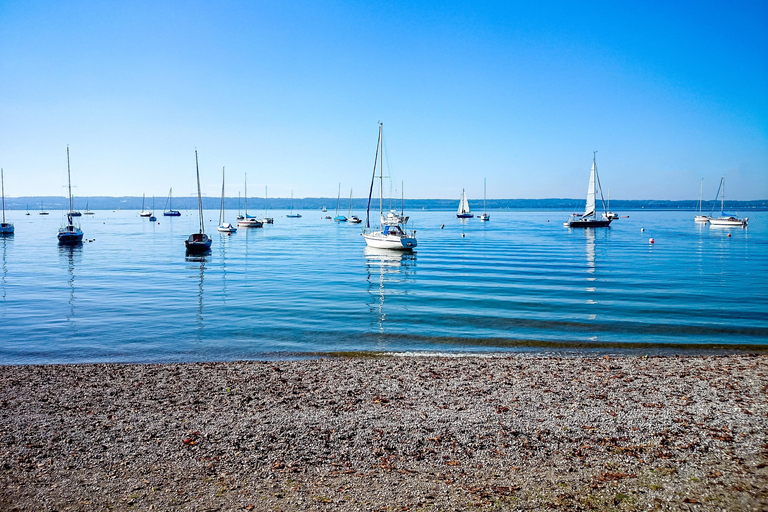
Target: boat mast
2	181
221	213
381	171
266	210
350	203
483	196
246	194
199	195
69	181
338	200
701	189
402	199
722	199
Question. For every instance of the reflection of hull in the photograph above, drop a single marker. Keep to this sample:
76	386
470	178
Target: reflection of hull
379	240
701	218
729	222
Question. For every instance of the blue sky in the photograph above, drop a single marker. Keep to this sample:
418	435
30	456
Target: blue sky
291	92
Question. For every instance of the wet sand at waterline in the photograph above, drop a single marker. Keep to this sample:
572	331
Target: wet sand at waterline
389	433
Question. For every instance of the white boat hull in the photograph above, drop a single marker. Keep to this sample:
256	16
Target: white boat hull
379	240
250	223
226	228
145	214
729	222
701	218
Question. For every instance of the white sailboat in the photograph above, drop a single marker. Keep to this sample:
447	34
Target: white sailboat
267	219
485	215
87	210
144	212
168	211
293	215
609	214
463	212
701	217
726	219
69	234
589	219
352	219
198	242
6	228
224	227
248	221
390	233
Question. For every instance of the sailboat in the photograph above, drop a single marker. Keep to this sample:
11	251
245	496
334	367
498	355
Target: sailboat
701	217
168	211
267	219
224	227
42	211
6	228
27	208
293	215
726	219
609	214
589	219
198	242
152	217
485	215
248	221
87	210
144	212
339	218
353	219
463	211
390	233
69	234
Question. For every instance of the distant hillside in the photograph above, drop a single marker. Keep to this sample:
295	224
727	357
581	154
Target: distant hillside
256	204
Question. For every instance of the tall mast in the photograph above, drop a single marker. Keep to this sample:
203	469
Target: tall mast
69	181
221	214
199	195
701	189
381	171
483	195
265	201
722	198
2	181
246	194
402	199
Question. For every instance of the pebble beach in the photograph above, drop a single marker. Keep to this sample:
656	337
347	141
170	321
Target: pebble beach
389	433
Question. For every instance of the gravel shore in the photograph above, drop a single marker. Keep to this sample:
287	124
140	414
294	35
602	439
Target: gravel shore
388	433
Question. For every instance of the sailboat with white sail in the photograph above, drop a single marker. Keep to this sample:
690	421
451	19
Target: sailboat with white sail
485	215
87	210
248	221
726	219
589	219
168	211
701	217
224	226
6	228
198	242
69	234
144	212
464	212
293	215
390	233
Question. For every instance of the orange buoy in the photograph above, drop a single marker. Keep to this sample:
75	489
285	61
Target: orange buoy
651	241
729	235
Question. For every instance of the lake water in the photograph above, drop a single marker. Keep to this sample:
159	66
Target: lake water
306	286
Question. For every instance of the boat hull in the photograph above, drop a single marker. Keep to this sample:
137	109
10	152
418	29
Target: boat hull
340	218
701	218
6	228
249	223
226	228
465	215
297	216
197	243
70	237
602	223
172	213
729	222
379	240
145	214
485	216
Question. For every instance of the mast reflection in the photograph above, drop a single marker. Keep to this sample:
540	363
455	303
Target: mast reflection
386	270
73	253
201	259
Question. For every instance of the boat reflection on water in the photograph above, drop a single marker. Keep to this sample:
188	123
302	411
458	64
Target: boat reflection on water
73	254
199	261
589	238
388	275
3	278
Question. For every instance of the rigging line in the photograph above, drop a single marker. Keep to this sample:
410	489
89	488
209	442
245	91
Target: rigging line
373	178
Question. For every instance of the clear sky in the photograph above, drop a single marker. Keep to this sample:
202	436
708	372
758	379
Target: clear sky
290	92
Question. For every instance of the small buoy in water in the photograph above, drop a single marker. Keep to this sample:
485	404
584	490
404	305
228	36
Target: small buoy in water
441	227
729	235
547	220
463	235
651	240
642	229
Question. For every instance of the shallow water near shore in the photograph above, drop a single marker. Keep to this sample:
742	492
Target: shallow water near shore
521	282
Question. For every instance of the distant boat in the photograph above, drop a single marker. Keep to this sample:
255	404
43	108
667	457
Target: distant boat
168	211
267	219
27	209
390	233
293	215
69	234
726	219
463	212
609	214
352	219
338	217
248	221
42	211
6	228
198	242
589	219
224	227
485	215
324	210
152	217
87	211
701	217
143	212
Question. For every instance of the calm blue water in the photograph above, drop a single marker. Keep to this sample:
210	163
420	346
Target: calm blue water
307	285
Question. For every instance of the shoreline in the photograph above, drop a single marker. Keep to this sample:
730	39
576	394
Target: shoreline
511	431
